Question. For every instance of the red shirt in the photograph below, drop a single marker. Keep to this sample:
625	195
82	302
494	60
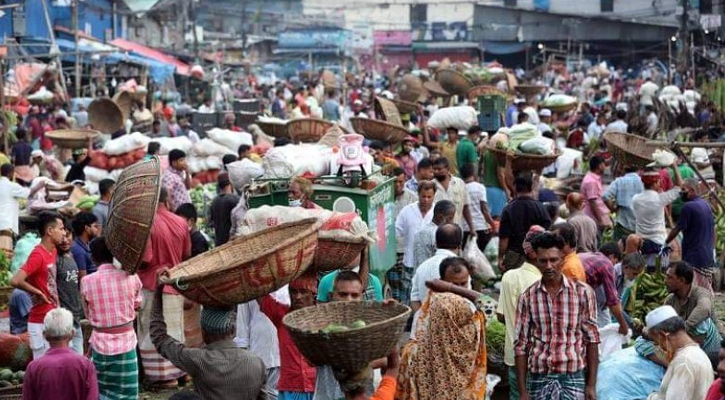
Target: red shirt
41	270
167	246
714	393
296	373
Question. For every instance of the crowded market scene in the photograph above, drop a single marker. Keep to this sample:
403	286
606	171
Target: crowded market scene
290	219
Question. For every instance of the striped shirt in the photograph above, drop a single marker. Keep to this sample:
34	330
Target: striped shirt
110	299
552	330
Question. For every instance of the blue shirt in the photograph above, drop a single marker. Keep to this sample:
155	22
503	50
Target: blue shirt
373	292
19	305
82	256
622	190
698	232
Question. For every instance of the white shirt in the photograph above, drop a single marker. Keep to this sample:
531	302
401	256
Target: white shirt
649	213
689	376
617	126
257	333
456	193
407	224
652	122
476	195
594	131
427	271
204	109
533	115
10	192
646	92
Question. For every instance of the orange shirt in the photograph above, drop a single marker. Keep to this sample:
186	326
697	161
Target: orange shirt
386	390
573	268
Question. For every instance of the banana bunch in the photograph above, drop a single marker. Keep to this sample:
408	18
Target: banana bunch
720	227
648	292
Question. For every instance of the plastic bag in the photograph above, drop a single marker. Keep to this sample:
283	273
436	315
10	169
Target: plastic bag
481	267
126	144
539	145
611	341
230	139
22	250
207	147
462	117
628	376
242	172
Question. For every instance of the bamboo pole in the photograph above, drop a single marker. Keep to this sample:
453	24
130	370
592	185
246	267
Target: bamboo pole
716	145
676	148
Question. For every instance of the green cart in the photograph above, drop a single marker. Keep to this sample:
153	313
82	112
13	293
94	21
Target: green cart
376	207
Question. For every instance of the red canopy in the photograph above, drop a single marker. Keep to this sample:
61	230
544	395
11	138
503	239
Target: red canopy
181	67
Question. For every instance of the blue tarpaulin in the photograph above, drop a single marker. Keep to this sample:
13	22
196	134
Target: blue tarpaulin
542	5
504	47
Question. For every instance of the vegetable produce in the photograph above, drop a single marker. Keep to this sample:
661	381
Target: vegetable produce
337	328
647	293
5	273
495	341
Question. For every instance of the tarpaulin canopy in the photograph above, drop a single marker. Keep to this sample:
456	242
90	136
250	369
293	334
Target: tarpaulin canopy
148	52
158	71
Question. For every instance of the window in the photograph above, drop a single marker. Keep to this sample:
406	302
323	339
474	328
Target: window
418	13
509	3
607	5
705	6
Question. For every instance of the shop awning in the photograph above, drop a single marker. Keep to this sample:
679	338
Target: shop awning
181	67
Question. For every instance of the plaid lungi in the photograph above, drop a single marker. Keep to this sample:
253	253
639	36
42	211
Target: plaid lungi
156	368
703	278
399	279
117	375
556	386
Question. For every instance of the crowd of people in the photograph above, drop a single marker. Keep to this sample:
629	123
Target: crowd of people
568	265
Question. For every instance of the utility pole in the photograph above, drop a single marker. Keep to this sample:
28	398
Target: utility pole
74	24
244	28
683	56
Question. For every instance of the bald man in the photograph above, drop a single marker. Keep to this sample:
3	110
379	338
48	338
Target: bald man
584	226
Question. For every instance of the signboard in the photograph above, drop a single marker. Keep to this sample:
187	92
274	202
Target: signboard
392	38
440	31
313	38
362	37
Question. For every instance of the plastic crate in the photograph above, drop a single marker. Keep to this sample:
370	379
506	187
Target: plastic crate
490	121
491	103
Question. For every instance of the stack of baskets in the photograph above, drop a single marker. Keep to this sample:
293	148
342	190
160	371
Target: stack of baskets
453	82
387	111
491	109
374	129
248	267
629	149
308	130
410	88
350	350
529	90
523	161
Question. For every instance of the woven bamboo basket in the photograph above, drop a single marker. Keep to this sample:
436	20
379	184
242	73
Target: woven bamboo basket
124	100
524	162
248	267
308	130
71	138
483	91
410	88
354	349
529	90
132	212
386	110
332	254
454	82
405	107
435	89
629	149
273	129
562	109
374	129
105	115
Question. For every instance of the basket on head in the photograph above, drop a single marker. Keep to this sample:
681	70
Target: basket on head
529	90
410	88
132	212
273	129
332	254
482	91
563	108
435	89
523	161
629	149
308	130
71	138
453	82
405	107
386	110
374	129
124	100
105	115
248	267
350	350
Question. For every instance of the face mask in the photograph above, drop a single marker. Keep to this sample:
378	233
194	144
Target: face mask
295	203
683	196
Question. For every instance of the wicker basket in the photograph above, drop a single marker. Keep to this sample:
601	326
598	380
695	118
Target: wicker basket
483	91
562	109
308	130
524	162
273	129
386	110
435	89
454	82
354	349
405	107
374	129
248	267
71	138
124	100
333	254
11	393
132	212
410	88
105	115
529	90
629	149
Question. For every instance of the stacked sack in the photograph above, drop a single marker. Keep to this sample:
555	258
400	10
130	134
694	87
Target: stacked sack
205	156
115	155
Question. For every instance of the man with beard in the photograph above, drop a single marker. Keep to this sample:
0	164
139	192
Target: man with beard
452	188
85	227
405	159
